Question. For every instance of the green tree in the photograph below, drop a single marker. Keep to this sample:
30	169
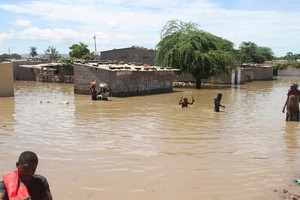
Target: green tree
67	63
79	50
51	53
250	52
15	55
247	52
89	56
33	51
265	53
290	56
183	46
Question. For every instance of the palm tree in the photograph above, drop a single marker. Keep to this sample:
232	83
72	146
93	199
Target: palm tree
183	46
33	52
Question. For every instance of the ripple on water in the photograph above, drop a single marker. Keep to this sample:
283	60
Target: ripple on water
241	152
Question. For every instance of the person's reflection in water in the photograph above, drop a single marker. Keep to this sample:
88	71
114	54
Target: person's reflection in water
291	141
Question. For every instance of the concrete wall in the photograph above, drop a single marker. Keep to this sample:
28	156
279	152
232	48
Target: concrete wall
263	73
135	83
43	71
25	73
83	75
123	83
241	75
247	74
6	80
289	71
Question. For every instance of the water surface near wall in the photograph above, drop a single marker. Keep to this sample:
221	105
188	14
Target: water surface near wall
148	147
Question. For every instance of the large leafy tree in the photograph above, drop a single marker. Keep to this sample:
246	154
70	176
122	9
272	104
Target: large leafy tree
183	46
250	52
79	50
33	51
291	56
51	53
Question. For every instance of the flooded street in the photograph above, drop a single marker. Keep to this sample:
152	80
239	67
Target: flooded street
150	148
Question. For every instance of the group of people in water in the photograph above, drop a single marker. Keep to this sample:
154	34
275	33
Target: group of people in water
102	94
217	102
24	184
291	105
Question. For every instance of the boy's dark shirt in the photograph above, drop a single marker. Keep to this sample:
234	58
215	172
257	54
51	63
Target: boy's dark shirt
37	187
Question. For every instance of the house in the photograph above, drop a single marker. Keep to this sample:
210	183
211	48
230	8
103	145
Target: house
124	79
132	54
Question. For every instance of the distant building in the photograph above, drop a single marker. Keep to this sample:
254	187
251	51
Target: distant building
133	54
6	57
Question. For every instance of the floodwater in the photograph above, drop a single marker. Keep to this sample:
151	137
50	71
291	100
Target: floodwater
149	147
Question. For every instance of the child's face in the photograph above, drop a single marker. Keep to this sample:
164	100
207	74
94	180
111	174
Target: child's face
26	171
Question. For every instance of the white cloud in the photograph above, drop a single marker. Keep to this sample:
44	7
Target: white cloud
22	22
49	34
139	22
3	37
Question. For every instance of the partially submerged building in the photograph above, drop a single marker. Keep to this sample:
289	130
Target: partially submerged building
6	79
244	73
42	71
122	78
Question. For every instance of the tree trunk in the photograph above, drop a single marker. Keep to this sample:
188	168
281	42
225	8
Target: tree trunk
198	83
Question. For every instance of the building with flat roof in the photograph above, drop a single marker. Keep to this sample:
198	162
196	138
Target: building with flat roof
123	79
132	54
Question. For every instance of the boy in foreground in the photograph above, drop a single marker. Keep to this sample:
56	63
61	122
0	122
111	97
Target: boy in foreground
23	183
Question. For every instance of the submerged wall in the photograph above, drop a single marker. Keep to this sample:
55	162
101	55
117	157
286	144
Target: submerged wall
241	75
6	80
132	82
42	71
289	71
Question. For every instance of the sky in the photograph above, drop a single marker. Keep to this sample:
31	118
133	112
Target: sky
125	23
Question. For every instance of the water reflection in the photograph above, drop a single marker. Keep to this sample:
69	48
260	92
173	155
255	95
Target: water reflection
149	147
291	140
7	118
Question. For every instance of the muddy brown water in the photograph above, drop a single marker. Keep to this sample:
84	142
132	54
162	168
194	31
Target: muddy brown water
149	148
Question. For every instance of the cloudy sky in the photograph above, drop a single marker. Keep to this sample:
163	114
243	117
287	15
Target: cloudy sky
126	23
